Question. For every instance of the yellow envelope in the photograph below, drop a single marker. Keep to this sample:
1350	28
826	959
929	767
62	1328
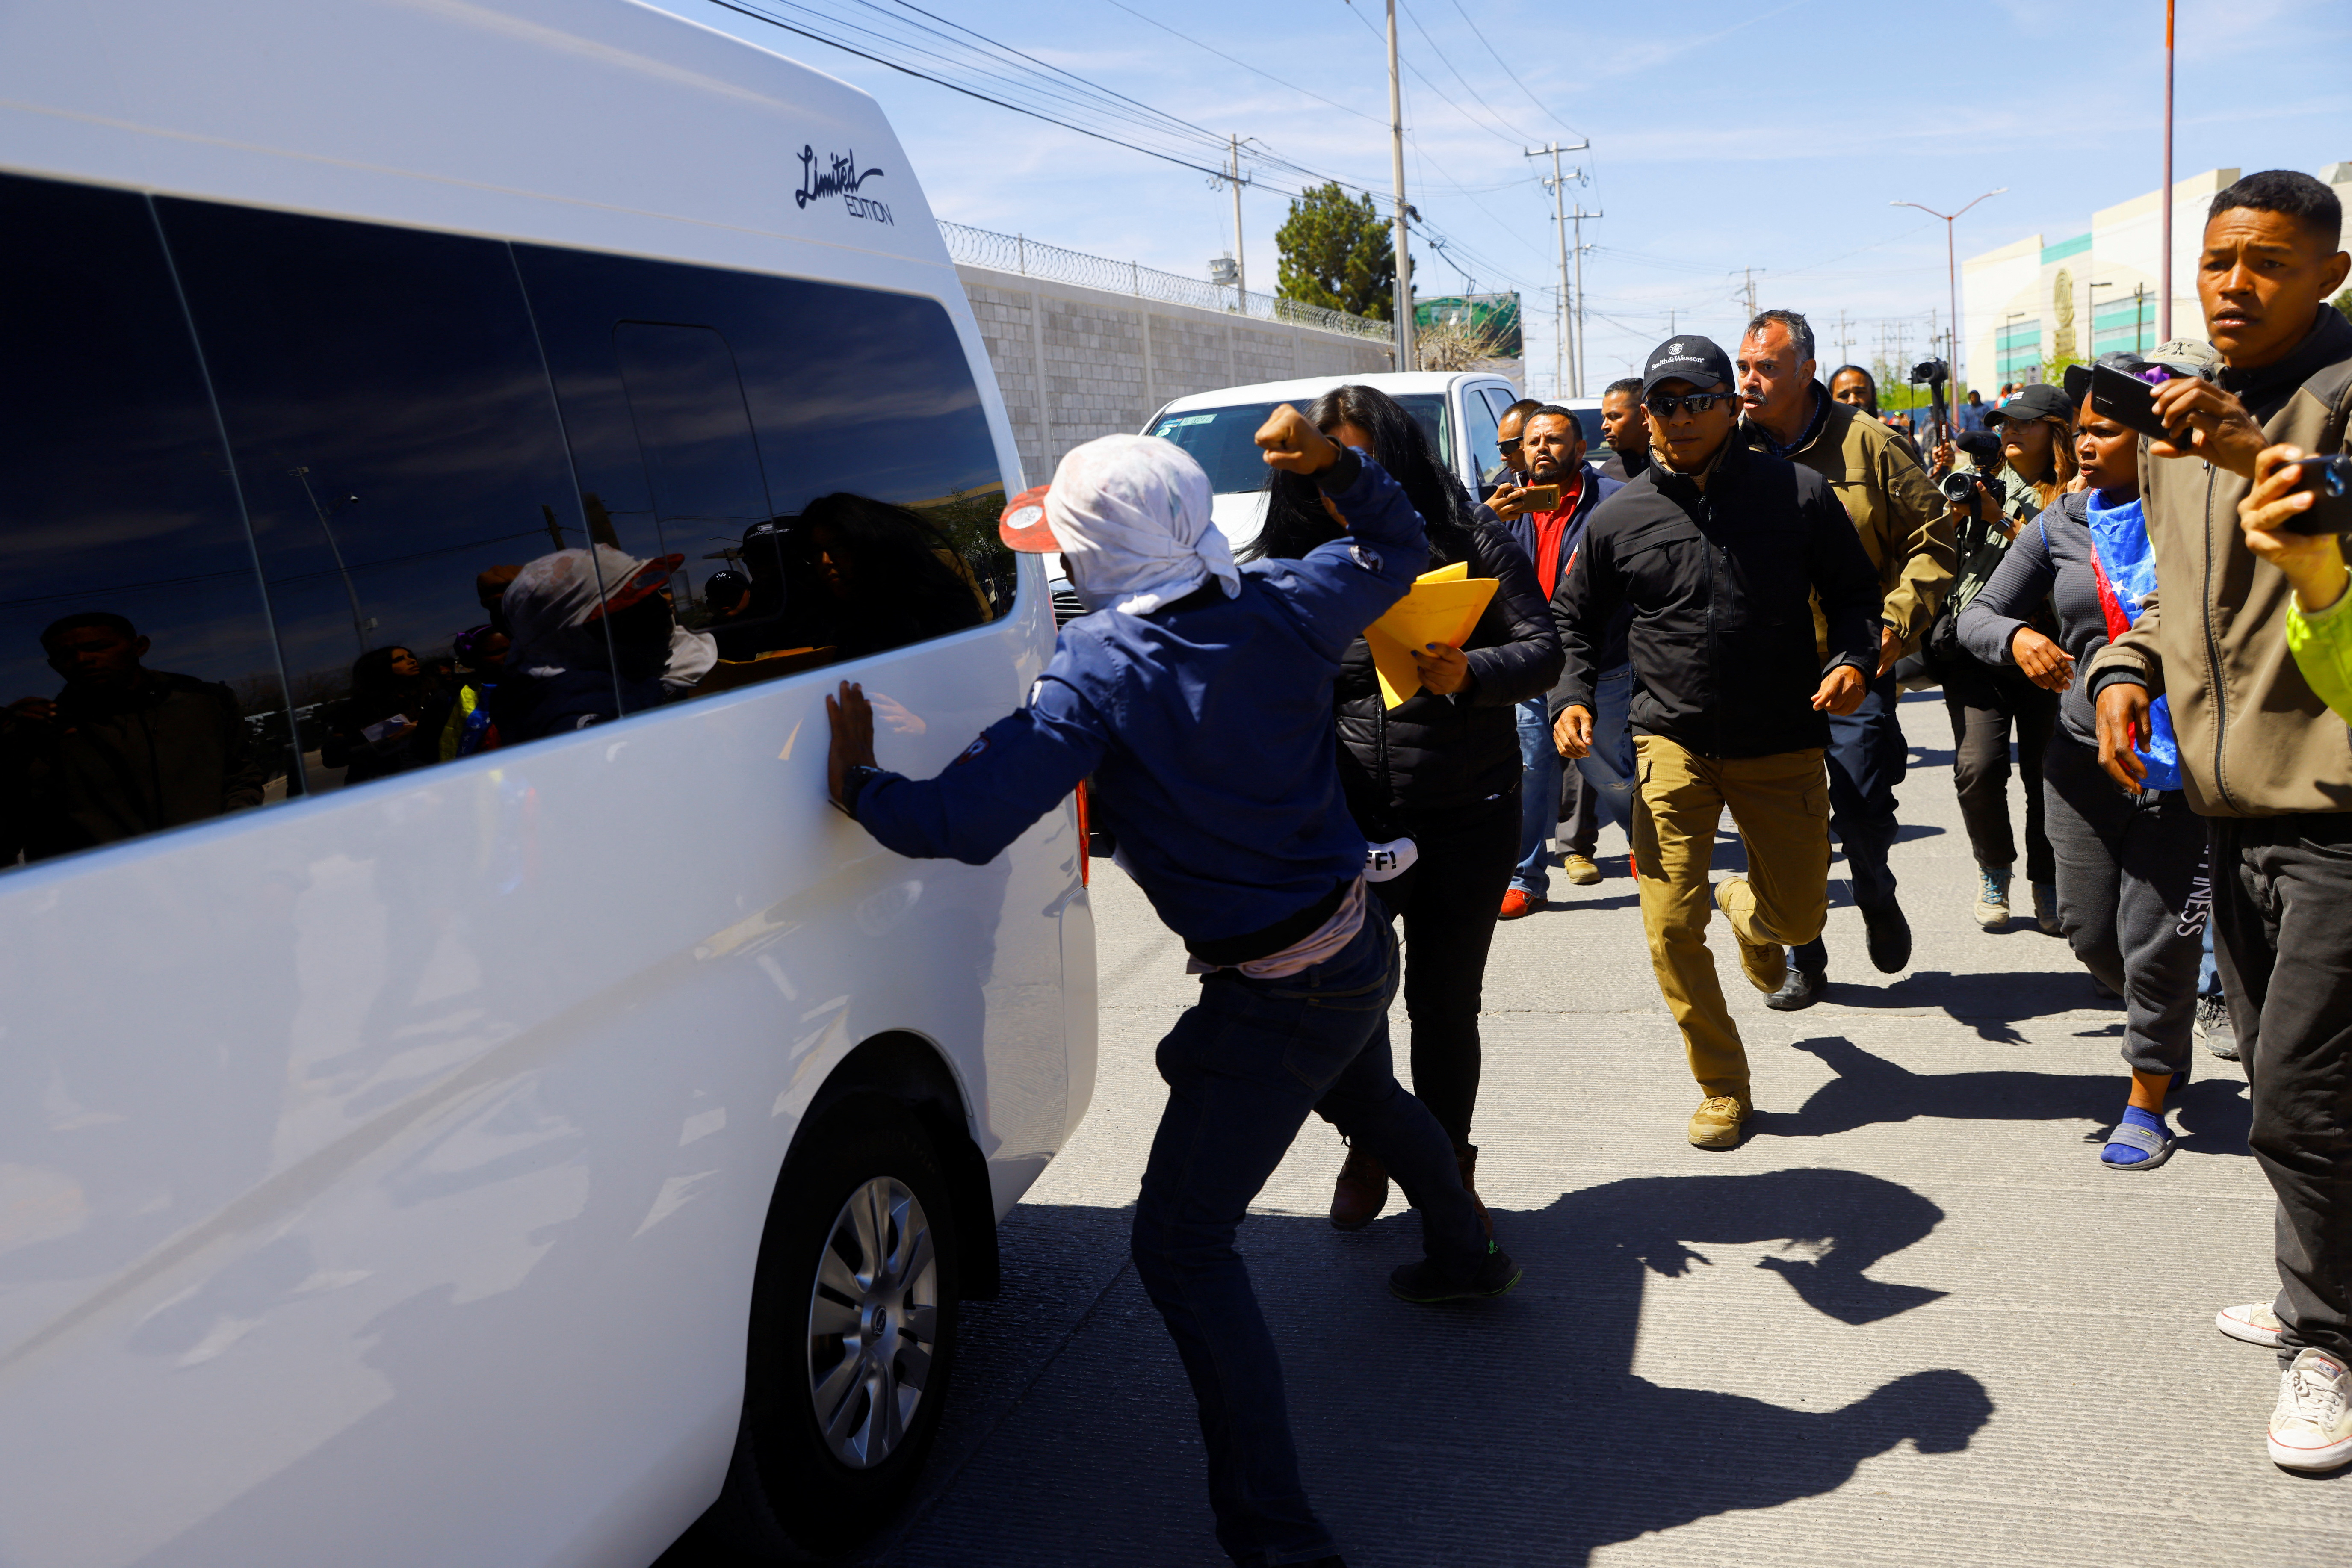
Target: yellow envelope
1442	608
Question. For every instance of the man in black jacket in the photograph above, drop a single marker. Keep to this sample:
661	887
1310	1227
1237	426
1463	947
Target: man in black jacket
1717	549
123	751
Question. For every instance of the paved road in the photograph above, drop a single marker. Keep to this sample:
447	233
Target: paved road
1911	1314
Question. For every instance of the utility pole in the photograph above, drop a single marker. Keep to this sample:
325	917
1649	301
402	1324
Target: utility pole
1845	339
1748	289
1241	266
1578	216
1404	353
2164	199
1559	184
2139	314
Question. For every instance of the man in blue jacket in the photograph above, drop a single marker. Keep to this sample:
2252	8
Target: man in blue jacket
1198	696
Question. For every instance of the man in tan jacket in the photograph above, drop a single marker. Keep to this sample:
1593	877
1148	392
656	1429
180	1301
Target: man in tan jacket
1906	531
2262	756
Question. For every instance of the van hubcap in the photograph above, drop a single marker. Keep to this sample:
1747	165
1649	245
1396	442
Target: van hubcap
873	1323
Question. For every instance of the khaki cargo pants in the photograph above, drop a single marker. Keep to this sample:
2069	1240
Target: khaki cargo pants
1782	806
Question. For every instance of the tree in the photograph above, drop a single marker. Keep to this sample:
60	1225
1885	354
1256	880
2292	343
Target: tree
2342	303
1338	253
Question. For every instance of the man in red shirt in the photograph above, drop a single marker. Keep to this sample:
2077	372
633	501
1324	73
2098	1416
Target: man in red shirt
1551	452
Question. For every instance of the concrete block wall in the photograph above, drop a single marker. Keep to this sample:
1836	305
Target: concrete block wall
1074	364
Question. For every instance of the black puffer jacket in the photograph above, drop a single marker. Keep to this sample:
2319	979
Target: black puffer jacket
1432	753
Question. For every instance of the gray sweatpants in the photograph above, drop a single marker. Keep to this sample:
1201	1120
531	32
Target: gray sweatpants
2133	896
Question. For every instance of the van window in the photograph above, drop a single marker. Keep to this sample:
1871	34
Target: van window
141	684
702	463
1485	456
867	446
402	462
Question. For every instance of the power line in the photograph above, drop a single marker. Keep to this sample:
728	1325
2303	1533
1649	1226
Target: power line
1254	71
1513	77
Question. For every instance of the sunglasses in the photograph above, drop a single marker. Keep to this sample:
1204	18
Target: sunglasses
1666	407
1511	445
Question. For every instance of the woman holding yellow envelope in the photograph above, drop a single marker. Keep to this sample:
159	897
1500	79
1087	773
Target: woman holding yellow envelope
1429	753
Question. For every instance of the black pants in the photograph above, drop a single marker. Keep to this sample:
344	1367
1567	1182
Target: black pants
2133	897
1867	758
1449	900
1980	737
2282	911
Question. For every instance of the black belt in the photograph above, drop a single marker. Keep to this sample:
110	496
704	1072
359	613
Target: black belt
1226	952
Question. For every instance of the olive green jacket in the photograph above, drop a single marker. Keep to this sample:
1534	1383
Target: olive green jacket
1905	529
2255	739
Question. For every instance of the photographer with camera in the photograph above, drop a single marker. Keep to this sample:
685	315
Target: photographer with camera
2262	756
1905	531
2031	440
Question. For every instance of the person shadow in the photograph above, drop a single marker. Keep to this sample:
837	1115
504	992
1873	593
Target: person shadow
2213	1115
1511	1430
1993	1004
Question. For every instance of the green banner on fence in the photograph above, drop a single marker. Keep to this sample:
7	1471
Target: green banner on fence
1493	316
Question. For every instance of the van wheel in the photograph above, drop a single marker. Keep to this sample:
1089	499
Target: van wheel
853	1335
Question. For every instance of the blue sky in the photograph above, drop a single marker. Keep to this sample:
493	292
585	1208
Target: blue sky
1723	136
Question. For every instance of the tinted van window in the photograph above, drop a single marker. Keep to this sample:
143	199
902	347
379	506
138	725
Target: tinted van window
1485	456
868	455
135	655
401	462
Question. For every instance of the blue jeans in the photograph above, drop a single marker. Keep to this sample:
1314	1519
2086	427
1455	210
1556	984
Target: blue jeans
1867	758
2209	975
1607	772
1540	769
1243	1066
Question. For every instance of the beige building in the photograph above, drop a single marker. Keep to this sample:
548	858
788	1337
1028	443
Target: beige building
2033	304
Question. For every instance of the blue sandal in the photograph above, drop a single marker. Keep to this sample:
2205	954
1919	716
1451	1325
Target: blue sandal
2135	1131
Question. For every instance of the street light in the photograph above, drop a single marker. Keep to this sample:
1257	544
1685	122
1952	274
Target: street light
1952	265
360	625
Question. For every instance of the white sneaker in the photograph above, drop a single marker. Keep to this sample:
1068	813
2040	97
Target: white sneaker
2311	1427
1993	897
2254	1322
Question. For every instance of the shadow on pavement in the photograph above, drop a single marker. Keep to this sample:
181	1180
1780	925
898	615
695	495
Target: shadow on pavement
1505	1431
1990	1003
2215	1113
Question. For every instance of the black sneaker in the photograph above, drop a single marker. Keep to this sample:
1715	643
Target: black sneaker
1427	1282
1890	937
1800	991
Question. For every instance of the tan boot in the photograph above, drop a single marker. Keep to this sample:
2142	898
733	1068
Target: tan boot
1716	1123
1361	1192
1767	967
1465	1160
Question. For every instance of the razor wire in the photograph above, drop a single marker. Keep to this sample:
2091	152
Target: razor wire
1051	263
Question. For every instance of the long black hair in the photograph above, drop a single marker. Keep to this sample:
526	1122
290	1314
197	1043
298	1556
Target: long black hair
1296	521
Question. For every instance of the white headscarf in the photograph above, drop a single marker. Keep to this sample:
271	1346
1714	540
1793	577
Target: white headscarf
1131	514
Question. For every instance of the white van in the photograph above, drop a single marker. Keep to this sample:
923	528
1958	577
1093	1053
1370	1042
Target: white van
437	1126
1459	412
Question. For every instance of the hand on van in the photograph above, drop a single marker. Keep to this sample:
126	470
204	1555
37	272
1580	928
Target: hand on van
852	718
1291	442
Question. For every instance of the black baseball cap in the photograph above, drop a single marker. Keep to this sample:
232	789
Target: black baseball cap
1695	360
2039	401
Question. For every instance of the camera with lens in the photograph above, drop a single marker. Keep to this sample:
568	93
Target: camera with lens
1960	483
1985	447
1930	372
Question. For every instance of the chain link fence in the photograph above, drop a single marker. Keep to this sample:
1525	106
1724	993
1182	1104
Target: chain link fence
1031	258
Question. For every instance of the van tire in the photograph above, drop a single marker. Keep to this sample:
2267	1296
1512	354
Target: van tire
791	1494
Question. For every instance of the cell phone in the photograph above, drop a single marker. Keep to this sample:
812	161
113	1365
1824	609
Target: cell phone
2331	477
385	729
1540	498
2126	399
